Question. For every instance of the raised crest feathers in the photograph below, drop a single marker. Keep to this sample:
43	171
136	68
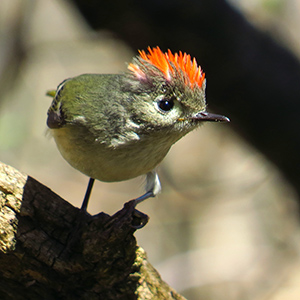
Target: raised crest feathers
170	64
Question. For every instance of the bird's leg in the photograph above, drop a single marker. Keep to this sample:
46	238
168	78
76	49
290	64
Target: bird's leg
153	187
87	195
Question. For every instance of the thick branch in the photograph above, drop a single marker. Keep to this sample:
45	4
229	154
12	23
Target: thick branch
51	250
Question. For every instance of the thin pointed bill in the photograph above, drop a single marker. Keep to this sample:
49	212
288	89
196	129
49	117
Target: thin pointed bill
206	116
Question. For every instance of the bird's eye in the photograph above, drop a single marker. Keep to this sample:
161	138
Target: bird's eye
165	104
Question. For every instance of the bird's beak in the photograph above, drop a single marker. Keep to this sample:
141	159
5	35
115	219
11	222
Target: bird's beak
206	116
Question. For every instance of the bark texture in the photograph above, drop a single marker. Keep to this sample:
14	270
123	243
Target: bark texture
51	250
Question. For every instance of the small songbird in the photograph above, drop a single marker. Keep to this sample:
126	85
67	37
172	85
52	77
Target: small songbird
114	127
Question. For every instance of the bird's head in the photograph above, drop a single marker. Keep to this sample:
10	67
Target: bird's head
168	91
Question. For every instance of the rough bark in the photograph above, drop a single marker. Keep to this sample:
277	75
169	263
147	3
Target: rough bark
51	250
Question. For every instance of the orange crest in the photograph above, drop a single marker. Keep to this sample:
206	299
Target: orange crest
171	64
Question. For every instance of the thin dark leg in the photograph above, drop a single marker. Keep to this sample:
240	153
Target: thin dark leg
87	194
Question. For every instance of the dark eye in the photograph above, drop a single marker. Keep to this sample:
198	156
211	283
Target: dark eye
165	104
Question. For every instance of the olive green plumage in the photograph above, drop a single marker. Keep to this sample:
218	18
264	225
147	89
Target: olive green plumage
119	126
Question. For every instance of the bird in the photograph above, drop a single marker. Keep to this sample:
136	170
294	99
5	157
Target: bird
114	127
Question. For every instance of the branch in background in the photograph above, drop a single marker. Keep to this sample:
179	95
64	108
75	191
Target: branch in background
251	78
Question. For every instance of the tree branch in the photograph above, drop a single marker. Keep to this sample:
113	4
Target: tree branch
51	250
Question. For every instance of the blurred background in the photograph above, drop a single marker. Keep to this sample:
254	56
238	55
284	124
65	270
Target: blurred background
226	225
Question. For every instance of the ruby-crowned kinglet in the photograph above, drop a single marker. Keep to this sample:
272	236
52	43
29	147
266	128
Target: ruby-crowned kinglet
119	126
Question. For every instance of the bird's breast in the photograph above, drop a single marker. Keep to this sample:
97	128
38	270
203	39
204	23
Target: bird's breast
106	163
